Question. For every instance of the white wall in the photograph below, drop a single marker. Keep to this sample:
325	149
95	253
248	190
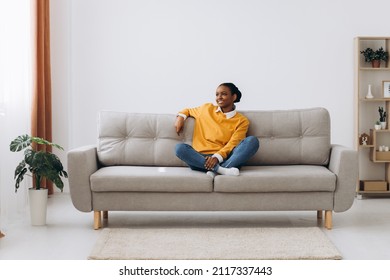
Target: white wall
162	55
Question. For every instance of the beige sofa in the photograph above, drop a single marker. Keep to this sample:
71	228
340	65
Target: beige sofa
134	168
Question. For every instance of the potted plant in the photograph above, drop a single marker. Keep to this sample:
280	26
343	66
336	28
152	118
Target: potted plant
375	57
42	165
377	125
382	117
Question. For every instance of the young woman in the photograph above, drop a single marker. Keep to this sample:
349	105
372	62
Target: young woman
219	143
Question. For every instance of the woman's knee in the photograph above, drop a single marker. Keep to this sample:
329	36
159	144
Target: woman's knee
253	141
180	148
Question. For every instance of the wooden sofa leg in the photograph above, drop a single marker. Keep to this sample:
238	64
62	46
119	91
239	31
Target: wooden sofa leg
319	214
328	219
97	220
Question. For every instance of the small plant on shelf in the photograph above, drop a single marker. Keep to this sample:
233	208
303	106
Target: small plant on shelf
382	114
375	57
377	125
382	117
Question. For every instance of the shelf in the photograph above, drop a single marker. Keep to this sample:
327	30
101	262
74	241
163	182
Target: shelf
366	146
372	163
374	69
373	192
375	99
372	38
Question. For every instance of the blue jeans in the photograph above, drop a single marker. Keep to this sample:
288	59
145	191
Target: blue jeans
240	154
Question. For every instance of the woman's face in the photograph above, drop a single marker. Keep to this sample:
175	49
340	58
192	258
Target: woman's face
224	98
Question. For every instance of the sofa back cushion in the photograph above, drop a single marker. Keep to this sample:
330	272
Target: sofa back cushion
140	139
291	136
286	137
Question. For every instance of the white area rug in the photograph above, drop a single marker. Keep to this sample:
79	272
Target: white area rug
214	244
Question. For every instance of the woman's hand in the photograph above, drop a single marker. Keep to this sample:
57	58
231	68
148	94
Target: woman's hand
179	124
210	163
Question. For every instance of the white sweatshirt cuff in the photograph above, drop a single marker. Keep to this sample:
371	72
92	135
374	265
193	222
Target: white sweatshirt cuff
219	157
182	115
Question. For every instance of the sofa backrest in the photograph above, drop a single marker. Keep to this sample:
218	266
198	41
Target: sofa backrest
140	139
290	136
286	137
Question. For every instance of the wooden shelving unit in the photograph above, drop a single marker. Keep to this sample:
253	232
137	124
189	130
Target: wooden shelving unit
374	165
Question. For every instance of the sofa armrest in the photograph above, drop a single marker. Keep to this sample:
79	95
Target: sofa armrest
344	164
82	163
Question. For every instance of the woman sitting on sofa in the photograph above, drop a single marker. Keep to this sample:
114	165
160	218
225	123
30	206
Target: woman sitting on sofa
219	143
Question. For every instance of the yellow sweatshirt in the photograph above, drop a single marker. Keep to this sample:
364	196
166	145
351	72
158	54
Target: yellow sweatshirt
213	132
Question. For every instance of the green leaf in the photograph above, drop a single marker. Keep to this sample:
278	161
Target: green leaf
19	168
42	141
20	143
19	176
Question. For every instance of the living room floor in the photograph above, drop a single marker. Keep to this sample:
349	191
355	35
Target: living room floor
361	233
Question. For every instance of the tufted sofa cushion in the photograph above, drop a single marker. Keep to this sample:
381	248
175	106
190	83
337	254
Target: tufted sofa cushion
139	139
291	136
286	137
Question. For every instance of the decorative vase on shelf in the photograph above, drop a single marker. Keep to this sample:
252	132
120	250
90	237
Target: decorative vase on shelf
369	94
383	125
377	126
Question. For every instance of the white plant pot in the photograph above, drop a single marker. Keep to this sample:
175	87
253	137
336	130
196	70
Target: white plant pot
378	127
38	206
383	125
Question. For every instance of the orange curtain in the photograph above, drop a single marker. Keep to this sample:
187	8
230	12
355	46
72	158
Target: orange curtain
41	119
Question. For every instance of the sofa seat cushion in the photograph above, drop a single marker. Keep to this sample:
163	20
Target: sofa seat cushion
285	178
150	179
